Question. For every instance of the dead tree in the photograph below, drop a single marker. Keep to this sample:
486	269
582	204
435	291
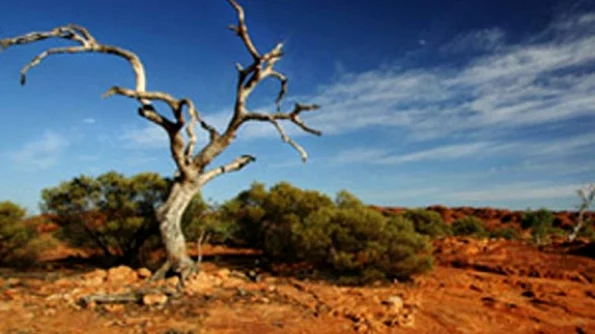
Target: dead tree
587	194
192	164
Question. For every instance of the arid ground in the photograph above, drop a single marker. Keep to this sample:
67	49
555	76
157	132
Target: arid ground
477	286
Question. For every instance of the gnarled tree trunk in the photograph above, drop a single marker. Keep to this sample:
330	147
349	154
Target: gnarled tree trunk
169	216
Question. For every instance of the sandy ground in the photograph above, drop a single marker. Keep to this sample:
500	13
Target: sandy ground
477	286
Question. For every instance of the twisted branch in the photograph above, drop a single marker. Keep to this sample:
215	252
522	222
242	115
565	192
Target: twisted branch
249	77
237	164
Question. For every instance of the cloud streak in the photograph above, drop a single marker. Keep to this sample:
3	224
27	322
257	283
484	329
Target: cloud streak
41	153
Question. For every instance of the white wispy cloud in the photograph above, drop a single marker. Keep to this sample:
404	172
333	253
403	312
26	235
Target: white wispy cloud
89	121
148	137
523	84
437	153
509	86
518	191
40	153
482	40
534	150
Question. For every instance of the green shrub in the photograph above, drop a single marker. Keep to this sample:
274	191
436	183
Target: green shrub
507	233
428	222
342	238
541	224
209	221
111	213
360	245
264	217
469	225
588	231
15	234
541	217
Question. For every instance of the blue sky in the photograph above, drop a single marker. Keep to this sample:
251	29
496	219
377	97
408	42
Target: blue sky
482	103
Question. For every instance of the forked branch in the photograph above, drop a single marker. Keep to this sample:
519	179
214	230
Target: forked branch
237	164
182	153
249	77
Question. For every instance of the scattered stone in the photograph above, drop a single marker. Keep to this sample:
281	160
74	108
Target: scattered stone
152	299
394	302
5	306
113	308
144	273
121	275
223	273
49	312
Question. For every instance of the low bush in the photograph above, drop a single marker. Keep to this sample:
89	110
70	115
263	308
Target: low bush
342	238
428	222
15	234
507	233
111	213
469	226
541	224
360	245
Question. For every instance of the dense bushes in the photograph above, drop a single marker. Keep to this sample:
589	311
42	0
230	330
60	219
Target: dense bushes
359	244
20	244
14	233
112	213
507	233
341	238
209	222
428	222
469	225
541	223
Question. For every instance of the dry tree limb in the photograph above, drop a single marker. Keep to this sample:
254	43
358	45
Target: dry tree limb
237	164
202	238
587	195
249	77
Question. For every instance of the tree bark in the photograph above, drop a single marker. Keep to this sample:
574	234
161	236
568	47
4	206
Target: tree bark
169	216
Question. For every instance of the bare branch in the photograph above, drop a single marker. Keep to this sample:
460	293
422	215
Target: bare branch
249	77
87	43
159	96
290	141
44	54
242	30
587	195
237	164
283	90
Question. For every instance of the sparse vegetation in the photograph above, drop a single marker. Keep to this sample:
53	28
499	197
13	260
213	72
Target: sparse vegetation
111	212
507	233
428	222
469	226
14	233
341	238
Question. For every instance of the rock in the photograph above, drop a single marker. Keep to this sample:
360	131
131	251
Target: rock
152	299
223	273
114	308
49	312
394	302
121	275
94	281
13	281
97	273
5	306
173	281
143	273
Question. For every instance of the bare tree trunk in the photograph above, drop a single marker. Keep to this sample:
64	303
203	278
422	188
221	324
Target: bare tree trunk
169	216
